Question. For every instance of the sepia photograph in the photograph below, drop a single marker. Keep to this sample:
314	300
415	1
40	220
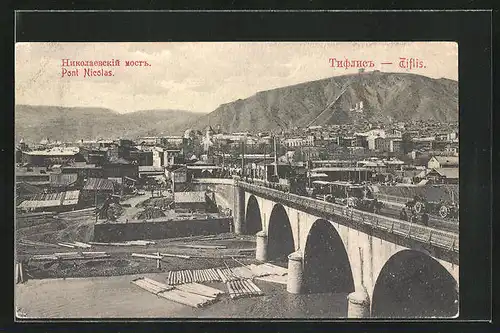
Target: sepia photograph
252	180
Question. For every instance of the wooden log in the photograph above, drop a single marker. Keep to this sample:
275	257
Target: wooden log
212	247
147	256
202	276
65	253
232	293
84	245
65	245
175	255
214	275
158	261
221	276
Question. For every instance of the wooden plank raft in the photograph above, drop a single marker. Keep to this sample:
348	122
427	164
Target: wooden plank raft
193	295
243	288
189	276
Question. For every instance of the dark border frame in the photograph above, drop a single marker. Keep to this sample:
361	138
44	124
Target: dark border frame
472	30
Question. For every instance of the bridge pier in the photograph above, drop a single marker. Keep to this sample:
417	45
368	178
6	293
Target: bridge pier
295	273
239	210
358	304
261	246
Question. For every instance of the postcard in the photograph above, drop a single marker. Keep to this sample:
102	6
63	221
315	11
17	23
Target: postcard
252	180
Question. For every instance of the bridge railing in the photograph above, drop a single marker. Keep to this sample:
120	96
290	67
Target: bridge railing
224	181
432	236
391	198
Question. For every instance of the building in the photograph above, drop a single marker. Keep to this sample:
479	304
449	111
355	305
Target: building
438	162
56	155
51	202
194	201
440	175
348	141
83	170
97	190
396	146
294	142
356	174
361	140
143	158
178	176
119	168
172	156
33	175
158	157
63	181
382	144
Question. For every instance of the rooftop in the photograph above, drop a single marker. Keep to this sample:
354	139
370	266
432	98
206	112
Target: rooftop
98	184
56	151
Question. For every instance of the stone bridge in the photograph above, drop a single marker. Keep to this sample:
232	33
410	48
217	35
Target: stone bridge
388	267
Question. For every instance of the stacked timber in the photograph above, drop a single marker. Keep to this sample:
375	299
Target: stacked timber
189	276
243	288
193	294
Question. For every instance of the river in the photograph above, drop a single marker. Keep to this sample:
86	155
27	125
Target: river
117	297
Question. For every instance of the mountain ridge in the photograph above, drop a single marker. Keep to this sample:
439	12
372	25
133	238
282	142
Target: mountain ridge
386	97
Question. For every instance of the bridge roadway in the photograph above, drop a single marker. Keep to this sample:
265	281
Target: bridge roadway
447	241
389	267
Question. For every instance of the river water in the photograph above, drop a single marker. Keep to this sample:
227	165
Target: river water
117	297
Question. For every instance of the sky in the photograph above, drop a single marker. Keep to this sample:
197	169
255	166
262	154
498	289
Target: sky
199	77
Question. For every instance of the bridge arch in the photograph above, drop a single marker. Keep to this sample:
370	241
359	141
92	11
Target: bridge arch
253	220
413	284
279	234
326	264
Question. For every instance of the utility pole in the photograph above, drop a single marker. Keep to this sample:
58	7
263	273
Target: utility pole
275	158
96	210
243	158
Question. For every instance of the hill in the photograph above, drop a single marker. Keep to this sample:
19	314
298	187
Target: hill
385	97
34	123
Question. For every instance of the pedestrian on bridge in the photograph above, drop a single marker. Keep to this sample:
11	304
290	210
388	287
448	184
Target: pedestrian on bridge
425	219
402	215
